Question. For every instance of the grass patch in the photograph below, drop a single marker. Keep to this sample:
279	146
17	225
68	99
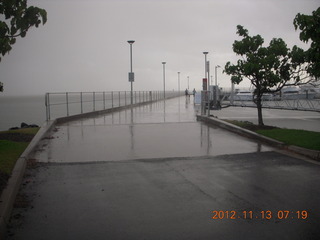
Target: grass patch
9	153
12	145
301	138
31	131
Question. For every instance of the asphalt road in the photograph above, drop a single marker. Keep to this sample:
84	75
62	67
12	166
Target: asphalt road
173	199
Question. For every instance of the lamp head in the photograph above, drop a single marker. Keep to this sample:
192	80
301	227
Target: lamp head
131	41
163	62
205	53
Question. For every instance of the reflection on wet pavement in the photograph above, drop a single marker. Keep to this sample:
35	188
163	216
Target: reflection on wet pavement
159	130
173	110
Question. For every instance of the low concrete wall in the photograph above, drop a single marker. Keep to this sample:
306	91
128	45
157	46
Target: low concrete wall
244	132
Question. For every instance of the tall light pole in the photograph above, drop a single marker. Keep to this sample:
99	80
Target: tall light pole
131	74
216	78
205	70
164	80
188	82
178	82
216	83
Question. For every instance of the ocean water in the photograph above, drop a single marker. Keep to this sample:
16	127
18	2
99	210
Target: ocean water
32	109
17	109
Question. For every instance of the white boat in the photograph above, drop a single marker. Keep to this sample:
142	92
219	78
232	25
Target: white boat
316	92
243	96
294	93
311	90
248	96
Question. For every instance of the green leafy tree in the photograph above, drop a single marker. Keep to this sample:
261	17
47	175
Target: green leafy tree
16	19
268	68
309	25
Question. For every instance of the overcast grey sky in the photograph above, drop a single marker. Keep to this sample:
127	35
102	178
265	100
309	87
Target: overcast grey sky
83	46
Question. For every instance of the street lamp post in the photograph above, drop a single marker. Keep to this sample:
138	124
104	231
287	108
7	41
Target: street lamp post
179	83
216	78
164	80
188	82
216	83
205	83
131	74
205	69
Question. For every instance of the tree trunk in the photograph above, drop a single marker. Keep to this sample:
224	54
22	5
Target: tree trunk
259	107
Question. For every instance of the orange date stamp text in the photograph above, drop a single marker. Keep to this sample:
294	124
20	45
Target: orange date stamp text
265	214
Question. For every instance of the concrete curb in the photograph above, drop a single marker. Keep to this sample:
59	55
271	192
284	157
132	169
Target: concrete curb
9	194
315	155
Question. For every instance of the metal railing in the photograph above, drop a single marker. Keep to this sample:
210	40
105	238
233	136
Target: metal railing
227	99
301	102
298	104
72	103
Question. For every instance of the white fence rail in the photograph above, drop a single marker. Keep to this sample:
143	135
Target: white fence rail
298	104
73	103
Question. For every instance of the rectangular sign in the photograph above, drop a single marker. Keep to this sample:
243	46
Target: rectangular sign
204	84
131	77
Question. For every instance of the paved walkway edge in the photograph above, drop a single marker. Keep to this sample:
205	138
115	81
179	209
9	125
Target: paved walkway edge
315	155
9	194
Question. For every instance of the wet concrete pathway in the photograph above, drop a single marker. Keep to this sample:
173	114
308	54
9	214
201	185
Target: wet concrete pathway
156	173
159	130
